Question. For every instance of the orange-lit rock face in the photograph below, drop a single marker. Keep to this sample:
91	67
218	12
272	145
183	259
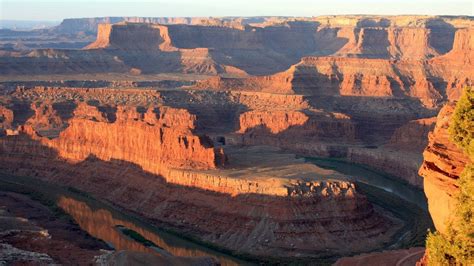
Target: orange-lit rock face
419	74
295	130
463	47
359	77
148	159
231	46
442	165
288	221
154	139
148	146
130	37
456	66
275	121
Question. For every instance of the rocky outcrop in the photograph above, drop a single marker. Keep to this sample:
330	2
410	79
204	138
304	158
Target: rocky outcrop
322	214
392	42
275	122
356	77
148	159
412	136
10	254
131	37
456	66
6	117
91	25
401	156
308	133
258	49
125	135
442	165
373	128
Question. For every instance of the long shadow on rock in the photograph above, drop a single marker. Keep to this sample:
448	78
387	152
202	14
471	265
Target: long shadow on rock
262	225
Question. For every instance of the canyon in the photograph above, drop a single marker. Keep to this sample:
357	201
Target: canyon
207	126
177	174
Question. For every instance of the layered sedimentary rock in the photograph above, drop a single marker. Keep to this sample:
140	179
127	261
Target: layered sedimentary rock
6	117
413	135
443	162
125	137
262	48
339	127
401	156
149	160
90	25
456	66
373	92
333	76
298	131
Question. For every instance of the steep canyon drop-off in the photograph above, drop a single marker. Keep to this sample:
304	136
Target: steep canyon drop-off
351	87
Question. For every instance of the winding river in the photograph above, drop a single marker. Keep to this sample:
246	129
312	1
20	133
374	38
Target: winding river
108	223
359	173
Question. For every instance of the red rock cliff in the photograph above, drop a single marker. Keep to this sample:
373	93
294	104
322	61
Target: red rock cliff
442	165
121	154
154	140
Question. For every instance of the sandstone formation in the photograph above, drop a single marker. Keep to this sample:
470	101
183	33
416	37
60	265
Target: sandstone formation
90	25
174	145
149	160
443	163
334	76
341	127
181	119
244	46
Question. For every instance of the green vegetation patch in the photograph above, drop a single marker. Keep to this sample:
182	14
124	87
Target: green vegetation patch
456	247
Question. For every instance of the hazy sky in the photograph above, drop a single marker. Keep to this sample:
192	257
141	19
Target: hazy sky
59	9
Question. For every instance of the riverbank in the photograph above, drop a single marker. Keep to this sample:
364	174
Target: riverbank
404	201
51	195
166	237
32	231
409	236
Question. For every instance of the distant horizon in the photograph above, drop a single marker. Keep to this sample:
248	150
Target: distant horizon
55	10
322	15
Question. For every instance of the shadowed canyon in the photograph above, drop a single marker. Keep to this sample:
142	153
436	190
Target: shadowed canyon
235	140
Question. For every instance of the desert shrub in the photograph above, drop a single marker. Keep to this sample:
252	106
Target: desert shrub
461	129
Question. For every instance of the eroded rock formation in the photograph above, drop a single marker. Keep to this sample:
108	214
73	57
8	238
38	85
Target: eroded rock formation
353	87
150	161
442	165
236	47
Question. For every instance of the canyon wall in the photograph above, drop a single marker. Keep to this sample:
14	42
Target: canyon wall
123	133
442	165
90	25
310	133
150	161
265	47
373	131
430	82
